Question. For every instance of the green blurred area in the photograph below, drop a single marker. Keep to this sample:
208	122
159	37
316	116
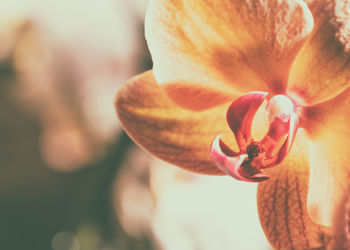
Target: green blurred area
41	208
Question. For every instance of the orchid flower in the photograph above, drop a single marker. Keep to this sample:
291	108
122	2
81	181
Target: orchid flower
230	58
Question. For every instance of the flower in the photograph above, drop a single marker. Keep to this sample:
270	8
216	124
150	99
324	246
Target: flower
209	56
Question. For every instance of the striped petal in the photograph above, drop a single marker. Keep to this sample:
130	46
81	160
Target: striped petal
282	203
227	46
178	136
321	69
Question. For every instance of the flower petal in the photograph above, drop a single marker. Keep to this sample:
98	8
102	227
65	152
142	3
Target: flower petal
282	203
232	165
230	46
320	70
328	125
196	97
173	134
341	222
240	116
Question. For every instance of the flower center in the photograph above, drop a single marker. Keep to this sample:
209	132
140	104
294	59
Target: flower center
253	150
253	157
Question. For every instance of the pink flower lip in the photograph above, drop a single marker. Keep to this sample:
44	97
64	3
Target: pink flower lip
254	156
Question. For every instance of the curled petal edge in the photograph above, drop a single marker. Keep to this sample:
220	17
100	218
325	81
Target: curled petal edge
240	116
231	165
293	125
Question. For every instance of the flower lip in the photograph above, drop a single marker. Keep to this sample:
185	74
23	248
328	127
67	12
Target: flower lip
232	165
240	116
254	156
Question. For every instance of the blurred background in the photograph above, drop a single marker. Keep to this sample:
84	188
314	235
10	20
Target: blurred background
70	178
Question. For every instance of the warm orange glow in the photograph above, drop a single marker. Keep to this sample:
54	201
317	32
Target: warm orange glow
294	49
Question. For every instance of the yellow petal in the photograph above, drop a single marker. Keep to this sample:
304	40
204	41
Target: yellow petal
282	203
231	46
328	126
320	70
173	134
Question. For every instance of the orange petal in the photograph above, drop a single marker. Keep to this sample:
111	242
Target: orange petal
195	96
230	46
282	203
340	223
320	70
173	134
328	126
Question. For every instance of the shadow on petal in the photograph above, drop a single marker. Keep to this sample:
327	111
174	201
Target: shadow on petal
167	131
327	125
231	46
321	69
